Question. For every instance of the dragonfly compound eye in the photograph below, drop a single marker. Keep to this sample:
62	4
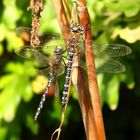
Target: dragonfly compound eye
58	50
81	30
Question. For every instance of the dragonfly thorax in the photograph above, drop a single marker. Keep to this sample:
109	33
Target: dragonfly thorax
73	42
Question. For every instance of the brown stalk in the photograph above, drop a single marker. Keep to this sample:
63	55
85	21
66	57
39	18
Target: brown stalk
36	6
79	78
84	20
67	7
80	82
58	131
62	18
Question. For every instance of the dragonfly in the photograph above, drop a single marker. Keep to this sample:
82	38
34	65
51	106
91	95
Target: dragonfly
104	56
54	64
56	70
72	48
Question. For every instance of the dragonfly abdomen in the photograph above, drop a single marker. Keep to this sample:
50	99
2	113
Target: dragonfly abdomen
44	96
67	79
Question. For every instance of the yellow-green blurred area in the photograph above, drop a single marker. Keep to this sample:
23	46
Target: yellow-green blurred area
21	84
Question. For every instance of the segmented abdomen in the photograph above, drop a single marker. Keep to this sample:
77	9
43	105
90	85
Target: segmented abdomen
44	96
67	79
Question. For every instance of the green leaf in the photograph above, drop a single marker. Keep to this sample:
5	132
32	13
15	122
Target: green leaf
131	35
109	89
8	19
3	132
113	93
15	86
53	24
21	68
3	31
9	99
130	7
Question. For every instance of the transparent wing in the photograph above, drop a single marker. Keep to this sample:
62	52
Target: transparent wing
60	70
46	37
110	66
56	88
31	53
41	59
20	30
111	50
44	71
26	52
25	34
104	53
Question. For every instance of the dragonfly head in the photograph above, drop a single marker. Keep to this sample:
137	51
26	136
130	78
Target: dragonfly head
58	50
75	27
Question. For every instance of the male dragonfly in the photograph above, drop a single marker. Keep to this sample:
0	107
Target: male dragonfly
103	54
54	65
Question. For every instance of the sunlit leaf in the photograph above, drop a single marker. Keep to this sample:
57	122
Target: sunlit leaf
39	84
14	42
8	19
49	17
130	35
16	90
21	68
128	7
113	93
9	99
131	8
3	31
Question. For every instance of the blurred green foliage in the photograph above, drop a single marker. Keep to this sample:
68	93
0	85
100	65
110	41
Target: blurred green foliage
115	21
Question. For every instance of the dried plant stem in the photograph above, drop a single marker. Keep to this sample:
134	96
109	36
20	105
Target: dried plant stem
84	20
58	131
62	18
80	82
67	7
36	6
